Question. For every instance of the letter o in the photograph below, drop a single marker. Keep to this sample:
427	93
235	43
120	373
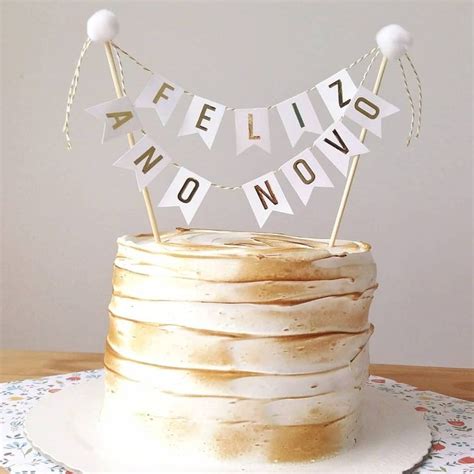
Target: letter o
369	115
188	181
312	175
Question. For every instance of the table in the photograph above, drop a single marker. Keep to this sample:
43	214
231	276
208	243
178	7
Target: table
19	365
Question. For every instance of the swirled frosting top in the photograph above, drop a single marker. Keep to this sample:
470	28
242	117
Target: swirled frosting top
194	242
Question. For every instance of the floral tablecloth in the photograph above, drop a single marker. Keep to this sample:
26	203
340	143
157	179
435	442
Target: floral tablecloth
450	421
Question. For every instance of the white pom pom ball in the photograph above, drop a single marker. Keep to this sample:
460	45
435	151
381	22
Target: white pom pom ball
102	26
393	41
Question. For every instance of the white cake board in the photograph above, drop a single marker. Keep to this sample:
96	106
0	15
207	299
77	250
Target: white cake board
64	427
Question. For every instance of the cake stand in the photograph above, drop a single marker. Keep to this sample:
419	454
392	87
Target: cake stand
393	439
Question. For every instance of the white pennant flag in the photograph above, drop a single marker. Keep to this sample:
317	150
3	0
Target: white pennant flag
118	115
338	144
252	128
161	95
147	159
305	173
203	117
187	192
337	92
265	195
298	116
368	110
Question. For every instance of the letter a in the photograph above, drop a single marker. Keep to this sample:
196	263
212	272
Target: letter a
120	118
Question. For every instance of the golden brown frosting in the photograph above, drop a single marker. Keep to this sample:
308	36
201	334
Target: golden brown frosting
213	334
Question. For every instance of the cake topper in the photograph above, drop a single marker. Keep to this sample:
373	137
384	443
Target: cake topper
304	171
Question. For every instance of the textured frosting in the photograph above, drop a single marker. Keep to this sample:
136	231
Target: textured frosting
238	347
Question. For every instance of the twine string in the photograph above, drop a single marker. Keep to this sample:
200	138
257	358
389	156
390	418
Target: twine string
120	68
363	57
132	58
354	63
375	53
410	100
72	92
420	94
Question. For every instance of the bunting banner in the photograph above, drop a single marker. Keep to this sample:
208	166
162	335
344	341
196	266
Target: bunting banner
187	192
161	95
265	196
337	92
298	116
147	159
252	128
368	110
204	118
305	173
118	115
338	144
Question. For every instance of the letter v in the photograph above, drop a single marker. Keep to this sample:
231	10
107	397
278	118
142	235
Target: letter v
342	147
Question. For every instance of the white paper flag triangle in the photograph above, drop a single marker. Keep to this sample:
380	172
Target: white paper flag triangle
298	116
338	144
368	110
203	117
161	95
187	192
305	173
118	115
147	159
337	92
252	128
265	195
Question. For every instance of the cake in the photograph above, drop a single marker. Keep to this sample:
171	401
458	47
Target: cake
238	347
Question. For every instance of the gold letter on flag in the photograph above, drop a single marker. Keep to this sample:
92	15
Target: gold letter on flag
298	116
252	128
265	195
204	118
118	115
338	144
337	92
147	159
186	192
305	173
161	95
368	110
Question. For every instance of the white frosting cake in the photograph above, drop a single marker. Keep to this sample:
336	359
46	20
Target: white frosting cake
238	347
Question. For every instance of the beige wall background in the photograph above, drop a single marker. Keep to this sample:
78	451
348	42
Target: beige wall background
62	211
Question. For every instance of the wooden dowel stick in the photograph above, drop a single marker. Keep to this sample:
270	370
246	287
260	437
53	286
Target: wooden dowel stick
131	140
355	161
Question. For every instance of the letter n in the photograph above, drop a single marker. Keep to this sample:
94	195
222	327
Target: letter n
150	161
269	194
